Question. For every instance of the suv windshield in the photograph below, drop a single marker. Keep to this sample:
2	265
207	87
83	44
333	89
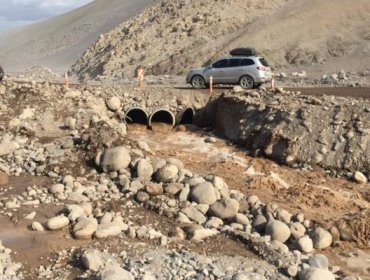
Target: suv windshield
264	62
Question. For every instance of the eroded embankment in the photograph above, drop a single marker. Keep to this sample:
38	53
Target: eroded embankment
331	132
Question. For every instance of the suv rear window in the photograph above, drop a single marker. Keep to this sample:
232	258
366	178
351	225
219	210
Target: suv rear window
234	62
246	62
264	62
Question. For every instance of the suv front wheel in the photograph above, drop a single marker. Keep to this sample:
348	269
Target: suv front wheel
198	82
246	82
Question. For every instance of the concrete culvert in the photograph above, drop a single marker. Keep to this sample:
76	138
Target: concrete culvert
162	116
185	116
136	115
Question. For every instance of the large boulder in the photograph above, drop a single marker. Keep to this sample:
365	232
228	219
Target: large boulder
142	197
214	222
8	145
248	276
259	223
174	188
224	209
203	233
144	170
321	238
115	159
319	261
167	173
360	178
314	273
115	272
114	103
57	188
284	216
36	226
194	214
298	230
92	259
154	189
57	222
85	228
277	230
109	229
219	183
198	233
203	193
305	244
75	212
158	163
242	219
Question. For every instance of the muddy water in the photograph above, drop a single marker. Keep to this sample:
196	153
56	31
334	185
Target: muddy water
4	178
16	234
156	127
161	127
136	127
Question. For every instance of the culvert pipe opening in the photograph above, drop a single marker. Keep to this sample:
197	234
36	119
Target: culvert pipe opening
162	116
136	116
186	116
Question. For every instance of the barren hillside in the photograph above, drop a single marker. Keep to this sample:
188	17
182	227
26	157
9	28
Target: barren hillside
59	41
172	36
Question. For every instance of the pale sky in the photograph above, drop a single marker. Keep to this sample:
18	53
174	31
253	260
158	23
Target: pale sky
15	13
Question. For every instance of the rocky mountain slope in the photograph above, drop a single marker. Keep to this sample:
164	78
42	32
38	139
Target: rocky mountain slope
59	41
172	36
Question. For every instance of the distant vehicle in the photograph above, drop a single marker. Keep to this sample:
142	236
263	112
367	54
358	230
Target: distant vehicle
242	68
1	73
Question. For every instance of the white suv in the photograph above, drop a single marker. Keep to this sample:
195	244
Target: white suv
244	70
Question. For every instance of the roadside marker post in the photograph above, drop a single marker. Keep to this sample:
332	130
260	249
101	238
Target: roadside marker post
140	75
211	84
66	81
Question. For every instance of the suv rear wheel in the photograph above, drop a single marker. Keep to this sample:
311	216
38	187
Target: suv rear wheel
1	73
246	82
198	82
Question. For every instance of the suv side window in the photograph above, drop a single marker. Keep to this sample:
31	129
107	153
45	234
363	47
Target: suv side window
246	62
234	62
223	63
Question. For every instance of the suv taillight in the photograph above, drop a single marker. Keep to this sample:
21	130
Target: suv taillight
261	68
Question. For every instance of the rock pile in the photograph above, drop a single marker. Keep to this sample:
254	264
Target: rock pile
8	269
172	264
38	74
205	206
341	79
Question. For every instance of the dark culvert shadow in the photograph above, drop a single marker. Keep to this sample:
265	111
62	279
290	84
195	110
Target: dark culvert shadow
162	116
136	116
185	116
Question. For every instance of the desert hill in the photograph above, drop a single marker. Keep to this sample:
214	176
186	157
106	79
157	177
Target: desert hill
59	41
173	36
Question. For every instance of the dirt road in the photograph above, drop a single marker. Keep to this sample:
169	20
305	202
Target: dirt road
356	92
